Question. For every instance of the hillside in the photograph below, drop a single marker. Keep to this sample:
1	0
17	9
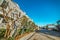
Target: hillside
14	20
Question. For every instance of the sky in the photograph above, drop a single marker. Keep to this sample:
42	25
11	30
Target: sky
42	12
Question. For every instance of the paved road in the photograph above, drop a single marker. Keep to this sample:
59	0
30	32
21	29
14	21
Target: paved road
27	36
44	34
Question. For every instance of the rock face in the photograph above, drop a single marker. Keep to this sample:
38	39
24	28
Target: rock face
10	11
11	14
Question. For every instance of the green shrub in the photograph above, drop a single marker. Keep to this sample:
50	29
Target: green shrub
10	38
2	32
20	31
27	30
31	29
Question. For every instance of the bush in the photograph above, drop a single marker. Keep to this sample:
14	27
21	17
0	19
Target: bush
20	31
2	32
10	38
27	30
55	30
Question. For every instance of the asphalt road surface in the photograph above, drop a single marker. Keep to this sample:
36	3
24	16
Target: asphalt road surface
44	34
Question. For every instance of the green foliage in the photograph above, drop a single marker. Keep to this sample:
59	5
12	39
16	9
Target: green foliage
58	22
10	38
30	29
1	16
26	30
58	25
2	32
20	31
47	27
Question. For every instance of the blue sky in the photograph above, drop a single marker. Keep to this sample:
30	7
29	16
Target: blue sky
41	11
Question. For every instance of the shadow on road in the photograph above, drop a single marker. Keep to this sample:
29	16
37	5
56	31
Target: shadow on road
48	32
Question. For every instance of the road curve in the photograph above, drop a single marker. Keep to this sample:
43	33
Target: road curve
46	35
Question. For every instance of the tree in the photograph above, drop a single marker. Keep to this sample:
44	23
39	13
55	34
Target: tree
58	22
58	25
46	26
